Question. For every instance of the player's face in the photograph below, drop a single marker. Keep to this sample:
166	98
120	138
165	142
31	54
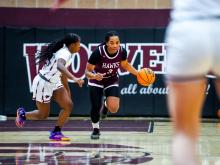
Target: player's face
75	47
113	44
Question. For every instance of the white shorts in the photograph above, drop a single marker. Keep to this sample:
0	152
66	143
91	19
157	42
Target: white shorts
43	90
193	48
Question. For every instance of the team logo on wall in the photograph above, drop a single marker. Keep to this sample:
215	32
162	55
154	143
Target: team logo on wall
149	55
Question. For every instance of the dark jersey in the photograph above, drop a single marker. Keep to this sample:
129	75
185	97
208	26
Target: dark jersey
108	64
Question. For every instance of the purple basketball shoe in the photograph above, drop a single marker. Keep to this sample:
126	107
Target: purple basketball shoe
58	136
20	119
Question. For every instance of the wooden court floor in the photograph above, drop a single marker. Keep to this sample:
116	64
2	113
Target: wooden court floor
123	141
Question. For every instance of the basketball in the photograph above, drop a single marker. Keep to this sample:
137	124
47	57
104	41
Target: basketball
145	77
218	113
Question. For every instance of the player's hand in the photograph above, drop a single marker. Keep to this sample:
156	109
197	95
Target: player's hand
80	82
99	76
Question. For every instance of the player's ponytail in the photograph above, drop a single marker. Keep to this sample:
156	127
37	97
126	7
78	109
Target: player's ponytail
47	53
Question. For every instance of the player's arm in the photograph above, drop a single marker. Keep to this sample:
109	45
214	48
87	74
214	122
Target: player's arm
127	66
90	75
89	72
64	81
61	67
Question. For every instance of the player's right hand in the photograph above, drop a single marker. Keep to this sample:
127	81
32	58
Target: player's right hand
99	76
80	82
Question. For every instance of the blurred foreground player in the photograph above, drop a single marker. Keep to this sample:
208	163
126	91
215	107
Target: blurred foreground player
193	38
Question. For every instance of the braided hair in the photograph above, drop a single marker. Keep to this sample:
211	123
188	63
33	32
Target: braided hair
47	53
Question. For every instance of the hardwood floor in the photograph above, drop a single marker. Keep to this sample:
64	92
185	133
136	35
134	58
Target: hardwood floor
122	141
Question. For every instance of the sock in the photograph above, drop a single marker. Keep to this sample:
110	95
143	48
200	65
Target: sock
105	109
184	150
95	125
57	129
105	104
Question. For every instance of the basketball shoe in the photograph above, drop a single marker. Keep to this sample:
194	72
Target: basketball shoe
95	134
58	136
20	119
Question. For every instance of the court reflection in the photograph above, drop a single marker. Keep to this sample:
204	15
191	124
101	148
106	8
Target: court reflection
66	153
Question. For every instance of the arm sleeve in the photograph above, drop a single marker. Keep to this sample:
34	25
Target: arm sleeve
95	57
124	54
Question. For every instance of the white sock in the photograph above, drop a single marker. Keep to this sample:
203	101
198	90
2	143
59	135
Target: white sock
184	150
95	125
105	104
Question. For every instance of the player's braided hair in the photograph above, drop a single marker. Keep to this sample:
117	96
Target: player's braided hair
47	53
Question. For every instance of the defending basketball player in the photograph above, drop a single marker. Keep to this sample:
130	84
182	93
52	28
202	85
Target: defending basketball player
193	38
51	84
101	70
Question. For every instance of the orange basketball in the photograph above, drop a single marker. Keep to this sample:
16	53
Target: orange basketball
218	113
145	77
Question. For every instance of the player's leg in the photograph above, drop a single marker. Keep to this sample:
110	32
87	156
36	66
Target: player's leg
217	86
63	99
96	94
42	93
104	109
112	98
40	114
216	67
188	57
112	103
185	101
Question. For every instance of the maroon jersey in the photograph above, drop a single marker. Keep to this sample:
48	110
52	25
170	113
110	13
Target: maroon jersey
108	64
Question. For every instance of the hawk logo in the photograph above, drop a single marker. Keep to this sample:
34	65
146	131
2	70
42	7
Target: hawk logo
110	71
148	55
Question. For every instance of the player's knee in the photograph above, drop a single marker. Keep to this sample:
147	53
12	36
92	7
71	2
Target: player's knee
69	106
113	108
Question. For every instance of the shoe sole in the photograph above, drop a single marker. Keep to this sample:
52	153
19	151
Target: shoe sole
62	139
65	139
95	137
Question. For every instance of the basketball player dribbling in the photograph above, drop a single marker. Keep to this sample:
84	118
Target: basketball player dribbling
101	70
51	83
193	38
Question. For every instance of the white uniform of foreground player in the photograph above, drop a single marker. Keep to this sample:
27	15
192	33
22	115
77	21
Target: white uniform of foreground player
193	38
